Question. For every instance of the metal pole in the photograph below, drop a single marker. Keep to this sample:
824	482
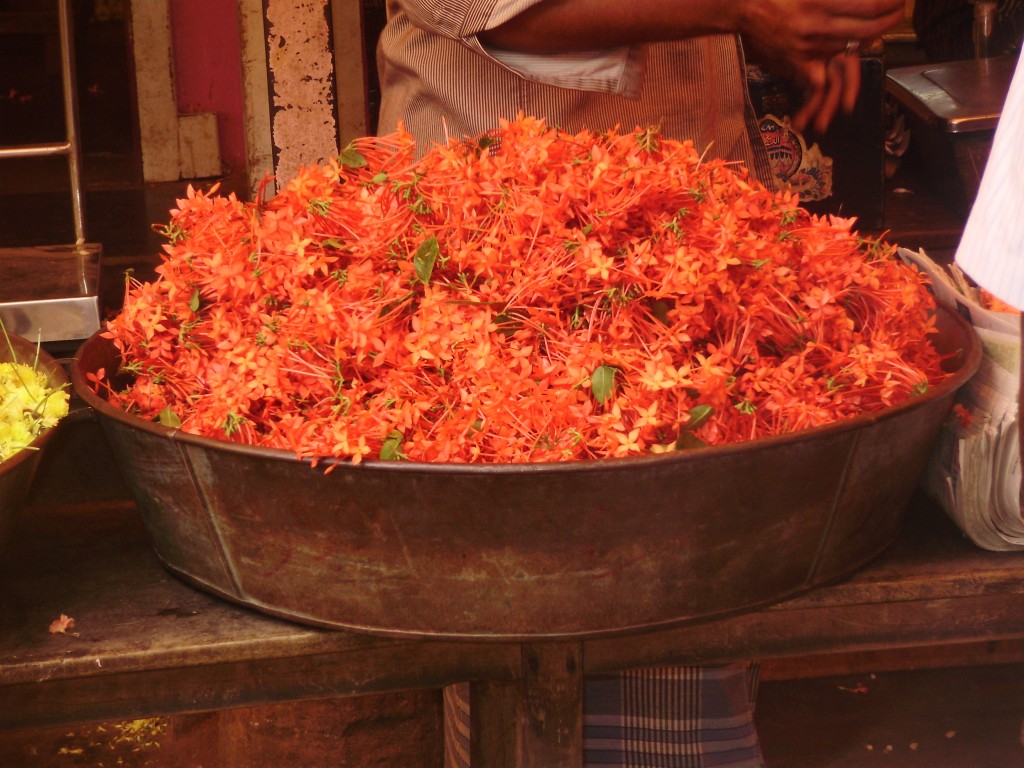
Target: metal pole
67	48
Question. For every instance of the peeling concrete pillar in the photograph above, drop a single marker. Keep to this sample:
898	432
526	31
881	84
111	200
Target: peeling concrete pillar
302	80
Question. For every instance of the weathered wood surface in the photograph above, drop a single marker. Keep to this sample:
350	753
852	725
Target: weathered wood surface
535	721
931	587
149	644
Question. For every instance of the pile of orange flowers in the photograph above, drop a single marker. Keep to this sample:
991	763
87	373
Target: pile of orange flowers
532	295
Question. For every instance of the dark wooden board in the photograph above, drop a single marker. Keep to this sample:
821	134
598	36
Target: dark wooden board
147	644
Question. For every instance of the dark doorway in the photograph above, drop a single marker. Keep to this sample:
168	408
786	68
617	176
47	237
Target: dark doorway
35	205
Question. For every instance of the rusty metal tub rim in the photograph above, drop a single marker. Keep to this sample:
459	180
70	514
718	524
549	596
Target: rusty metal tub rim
529	551
961	364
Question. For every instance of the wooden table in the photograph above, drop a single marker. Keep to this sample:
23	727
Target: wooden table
148	644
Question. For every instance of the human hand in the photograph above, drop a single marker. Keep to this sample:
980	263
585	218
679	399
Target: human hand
829	85
813	43
815	30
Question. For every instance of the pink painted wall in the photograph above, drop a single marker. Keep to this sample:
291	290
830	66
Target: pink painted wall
208	70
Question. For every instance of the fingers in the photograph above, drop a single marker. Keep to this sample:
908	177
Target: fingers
836	91
855	19
828	87
850	74
814	79
824	30
860	29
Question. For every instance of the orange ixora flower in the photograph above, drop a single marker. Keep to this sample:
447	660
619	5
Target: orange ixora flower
532	295
62	626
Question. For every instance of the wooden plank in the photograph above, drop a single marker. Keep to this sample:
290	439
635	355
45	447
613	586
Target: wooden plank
959	654
764	634
550	713
395	729
350	67
259	144
537	720
493	714
95	564
194	687
158	107
198	145
147	643
932	586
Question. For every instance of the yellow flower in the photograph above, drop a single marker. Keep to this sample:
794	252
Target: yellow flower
28	405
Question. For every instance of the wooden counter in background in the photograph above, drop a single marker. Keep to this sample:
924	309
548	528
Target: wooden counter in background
916	217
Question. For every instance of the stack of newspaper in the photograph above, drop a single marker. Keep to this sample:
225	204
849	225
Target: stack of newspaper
974	472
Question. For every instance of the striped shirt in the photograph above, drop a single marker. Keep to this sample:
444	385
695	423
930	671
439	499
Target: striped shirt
439	80
991	250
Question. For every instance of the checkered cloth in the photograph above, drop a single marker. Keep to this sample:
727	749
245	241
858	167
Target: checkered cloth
666	717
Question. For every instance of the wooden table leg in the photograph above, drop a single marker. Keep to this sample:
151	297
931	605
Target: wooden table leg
536	721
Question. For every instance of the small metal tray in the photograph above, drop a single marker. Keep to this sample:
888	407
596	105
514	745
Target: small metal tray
50	293
955	97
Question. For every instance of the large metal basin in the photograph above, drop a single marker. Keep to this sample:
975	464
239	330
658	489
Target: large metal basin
17	472
534	550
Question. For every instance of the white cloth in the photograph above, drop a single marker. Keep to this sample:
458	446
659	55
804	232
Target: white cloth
980	462
991	250
614	70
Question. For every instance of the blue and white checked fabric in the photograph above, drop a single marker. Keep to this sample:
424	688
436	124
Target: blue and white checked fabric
665	717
